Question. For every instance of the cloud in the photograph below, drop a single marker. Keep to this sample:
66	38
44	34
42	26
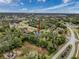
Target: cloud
60	10
52	8
66	1
23	10
72	7
37	1
6	1
41	0
76	4
21	3
18	10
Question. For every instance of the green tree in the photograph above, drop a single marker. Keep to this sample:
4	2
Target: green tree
74	58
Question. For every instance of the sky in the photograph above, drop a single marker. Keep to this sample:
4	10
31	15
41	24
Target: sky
40	6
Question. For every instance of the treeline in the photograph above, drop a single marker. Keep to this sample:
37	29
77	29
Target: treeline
48	22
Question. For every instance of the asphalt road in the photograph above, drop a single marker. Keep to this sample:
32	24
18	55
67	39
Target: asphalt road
72	41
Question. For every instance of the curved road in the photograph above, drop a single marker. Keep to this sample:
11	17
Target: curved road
72	40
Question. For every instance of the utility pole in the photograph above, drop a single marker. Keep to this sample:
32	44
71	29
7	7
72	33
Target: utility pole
38	28
38	25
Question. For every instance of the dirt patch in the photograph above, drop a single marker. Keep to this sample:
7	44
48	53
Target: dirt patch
30	47
33	47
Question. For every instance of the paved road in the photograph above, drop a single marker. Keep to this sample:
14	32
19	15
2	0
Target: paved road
77	51
72	40
61	50
72	52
